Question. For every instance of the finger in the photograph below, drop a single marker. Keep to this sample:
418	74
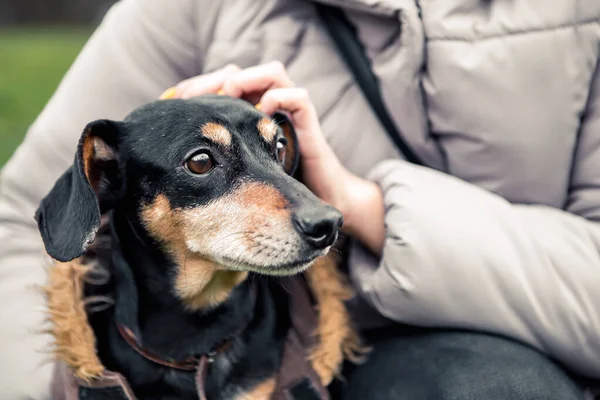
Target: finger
296	102
257	79
208	83
201	84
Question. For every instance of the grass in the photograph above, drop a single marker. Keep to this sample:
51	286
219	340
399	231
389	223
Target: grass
33	61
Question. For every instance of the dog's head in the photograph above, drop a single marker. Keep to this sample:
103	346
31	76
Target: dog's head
209	177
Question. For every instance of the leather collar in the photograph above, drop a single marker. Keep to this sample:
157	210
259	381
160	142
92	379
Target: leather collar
191	363
197	363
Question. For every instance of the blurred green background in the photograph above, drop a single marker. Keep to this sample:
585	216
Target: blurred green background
33	61
39	40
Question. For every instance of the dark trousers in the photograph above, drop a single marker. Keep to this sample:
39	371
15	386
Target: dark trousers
419	364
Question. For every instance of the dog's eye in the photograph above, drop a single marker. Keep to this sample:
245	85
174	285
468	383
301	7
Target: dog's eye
200	163
280	150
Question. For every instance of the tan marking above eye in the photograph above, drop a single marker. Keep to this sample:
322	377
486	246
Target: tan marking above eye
267	129
217	133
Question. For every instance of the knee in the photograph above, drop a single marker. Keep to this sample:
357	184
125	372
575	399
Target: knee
515	384
458	367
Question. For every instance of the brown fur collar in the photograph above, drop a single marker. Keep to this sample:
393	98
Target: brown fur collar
74	340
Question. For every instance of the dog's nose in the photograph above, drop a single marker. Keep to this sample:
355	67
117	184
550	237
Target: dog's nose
318	225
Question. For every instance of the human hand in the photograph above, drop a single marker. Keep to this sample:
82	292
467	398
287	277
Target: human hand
269	87
201	84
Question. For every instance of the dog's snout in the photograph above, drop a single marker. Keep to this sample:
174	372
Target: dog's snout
318	225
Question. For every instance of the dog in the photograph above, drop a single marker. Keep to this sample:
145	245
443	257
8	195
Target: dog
206	226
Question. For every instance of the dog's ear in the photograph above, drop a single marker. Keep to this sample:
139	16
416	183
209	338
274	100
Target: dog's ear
292	153
69	216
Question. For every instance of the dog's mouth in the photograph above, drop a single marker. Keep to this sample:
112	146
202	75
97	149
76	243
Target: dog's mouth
256	252
286	268
281	269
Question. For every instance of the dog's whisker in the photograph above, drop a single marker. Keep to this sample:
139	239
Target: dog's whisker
284	287
240	233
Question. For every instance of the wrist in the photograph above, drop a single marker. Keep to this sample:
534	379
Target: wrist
360	194
349	204
364	213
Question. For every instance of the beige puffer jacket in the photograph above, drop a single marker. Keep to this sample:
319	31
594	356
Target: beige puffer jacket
501	98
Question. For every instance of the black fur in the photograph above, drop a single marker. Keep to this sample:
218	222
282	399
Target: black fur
69	216
258	326
148	151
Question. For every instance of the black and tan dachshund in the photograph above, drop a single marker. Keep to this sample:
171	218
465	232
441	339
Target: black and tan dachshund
203	213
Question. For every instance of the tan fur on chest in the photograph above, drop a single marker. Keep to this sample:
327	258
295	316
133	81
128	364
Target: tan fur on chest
262	391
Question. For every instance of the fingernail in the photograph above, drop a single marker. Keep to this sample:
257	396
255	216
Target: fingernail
168	94
221	92
258	106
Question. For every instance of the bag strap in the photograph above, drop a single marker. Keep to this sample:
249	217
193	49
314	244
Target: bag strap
344	36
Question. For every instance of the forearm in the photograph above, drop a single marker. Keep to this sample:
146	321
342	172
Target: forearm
471	260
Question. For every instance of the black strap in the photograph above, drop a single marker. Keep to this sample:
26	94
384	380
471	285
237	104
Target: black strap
344	35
